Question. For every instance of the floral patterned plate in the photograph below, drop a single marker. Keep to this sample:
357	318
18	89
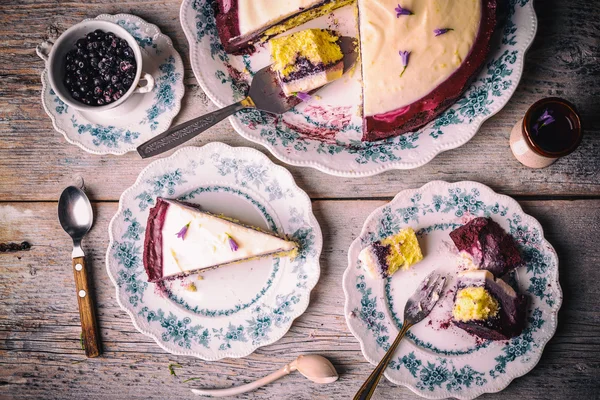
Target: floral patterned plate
234	309
143	116
437	360
325	132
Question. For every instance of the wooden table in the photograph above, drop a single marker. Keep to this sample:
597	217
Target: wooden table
40	354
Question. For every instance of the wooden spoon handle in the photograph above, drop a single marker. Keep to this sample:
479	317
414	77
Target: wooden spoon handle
89	326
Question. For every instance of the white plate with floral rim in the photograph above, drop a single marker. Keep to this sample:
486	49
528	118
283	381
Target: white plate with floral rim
237	308
437	360
143	116
325	132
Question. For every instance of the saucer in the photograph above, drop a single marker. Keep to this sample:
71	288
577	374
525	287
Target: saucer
143	116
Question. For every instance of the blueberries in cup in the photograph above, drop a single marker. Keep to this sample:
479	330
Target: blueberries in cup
100	69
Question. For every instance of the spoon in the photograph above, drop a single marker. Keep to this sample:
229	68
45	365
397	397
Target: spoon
314	367
76	217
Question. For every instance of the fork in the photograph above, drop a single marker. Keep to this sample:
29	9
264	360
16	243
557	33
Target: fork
418	306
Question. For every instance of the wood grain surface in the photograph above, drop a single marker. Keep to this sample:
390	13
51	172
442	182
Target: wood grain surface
40	349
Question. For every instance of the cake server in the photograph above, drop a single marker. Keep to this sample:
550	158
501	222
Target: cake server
265	94
418	306
76	217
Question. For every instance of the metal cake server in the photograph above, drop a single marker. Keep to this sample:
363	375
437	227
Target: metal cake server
418	306
76	217
265	95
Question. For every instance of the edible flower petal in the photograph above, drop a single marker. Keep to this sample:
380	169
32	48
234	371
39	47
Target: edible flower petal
441	31
232	243
405	56
402	11
543	120
303	96
181	234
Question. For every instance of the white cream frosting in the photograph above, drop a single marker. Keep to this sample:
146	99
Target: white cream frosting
432	59
256	14
206	245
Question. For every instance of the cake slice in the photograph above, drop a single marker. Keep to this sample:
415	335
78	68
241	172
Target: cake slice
386	256
307	60
241	23
487	246
181	240
488	307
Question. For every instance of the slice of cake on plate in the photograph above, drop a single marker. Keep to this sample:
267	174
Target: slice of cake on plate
487	246
307	60
181	240
488	307
241	23
418	57
386	256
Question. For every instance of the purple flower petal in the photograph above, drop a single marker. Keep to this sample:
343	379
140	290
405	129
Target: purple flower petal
405	55
181	234
402	11
303	96
545	119
545	115
441	31
232	243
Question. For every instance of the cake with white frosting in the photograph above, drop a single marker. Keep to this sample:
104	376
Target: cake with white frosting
418	56
488	307
242	23
181	240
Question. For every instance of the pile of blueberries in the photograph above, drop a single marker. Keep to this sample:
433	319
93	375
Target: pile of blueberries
100	70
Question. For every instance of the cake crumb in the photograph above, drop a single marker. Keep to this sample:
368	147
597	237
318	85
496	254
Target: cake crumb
191	287
200	278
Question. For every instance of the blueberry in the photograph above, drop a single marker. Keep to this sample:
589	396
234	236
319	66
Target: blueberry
127	83
98	91
128	52
116	96
80	64
101	64
124	43
100	102
76	95
83	88
94	62
68	80
97	81
90	36
81	43
114	79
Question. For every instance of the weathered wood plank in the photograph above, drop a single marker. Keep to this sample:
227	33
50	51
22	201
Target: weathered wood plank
35	161
40	354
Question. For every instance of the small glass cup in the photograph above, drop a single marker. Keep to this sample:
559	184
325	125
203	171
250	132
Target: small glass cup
536	143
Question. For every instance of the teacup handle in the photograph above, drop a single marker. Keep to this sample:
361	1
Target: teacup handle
149	83
43	49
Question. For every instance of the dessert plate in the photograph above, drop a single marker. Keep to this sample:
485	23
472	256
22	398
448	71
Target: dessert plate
325	132
235	309
143	116
439	360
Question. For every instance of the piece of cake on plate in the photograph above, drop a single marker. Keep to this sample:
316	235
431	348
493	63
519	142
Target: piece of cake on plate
181	240
386	256
307	60
487	246
418	57
241	23
488	307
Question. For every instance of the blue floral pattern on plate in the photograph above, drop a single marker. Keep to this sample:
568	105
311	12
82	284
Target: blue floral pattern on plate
433	361
123	131
250	320
338	149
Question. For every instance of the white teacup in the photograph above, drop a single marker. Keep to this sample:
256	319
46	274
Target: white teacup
54	54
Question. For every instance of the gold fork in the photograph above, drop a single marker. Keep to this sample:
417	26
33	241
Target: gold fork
418	306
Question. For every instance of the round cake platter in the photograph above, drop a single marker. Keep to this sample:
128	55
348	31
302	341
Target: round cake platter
233	310
436	359
325	132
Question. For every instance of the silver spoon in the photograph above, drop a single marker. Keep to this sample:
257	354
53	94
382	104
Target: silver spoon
76	217
314	367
